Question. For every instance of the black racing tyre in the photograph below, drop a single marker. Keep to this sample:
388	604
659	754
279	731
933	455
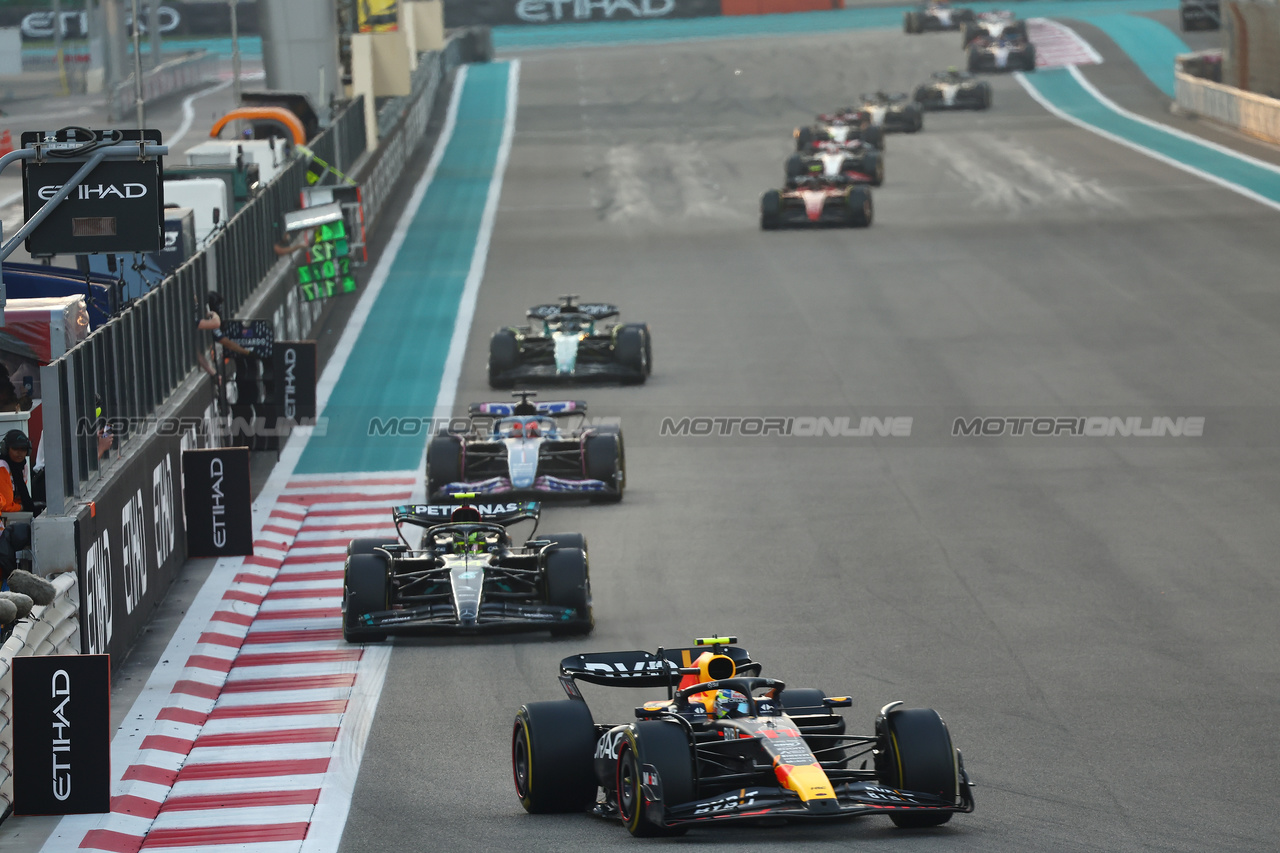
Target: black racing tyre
771	210
504	355
571	541
911	22
795	166
648	350
921	94
917	120
968	30
804	138
874	135
569	585
1020	28
1030	58
359	547
630	349
365	589
964	16
553	756
873	165
986	97
916	755
973	62
805	703
444	462
860	210
604	460
666	747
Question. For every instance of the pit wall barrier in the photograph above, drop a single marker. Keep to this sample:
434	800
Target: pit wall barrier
471	13
1251	45
1256	115
51	630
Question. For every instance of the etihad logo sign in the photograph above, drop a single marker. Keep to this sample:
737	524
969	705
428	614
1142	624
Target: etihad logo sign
98	192
541	11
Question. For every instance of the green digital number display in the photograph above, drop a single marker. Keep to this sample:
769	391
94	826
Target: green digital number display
328	269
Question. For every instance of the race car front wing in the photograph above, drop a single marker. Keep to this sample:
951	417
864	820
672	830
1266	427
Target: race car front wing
492	617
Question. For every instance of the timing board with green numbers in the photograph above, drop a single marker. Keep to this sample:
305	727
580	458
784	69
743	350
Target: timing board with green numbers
327	271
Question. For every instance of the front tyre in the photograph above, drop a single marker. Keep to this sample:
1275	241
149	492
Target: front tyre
859	211
631	349
552	756
365	589
665	747
604	461
771	210
915	754
504	356
444	463
569	586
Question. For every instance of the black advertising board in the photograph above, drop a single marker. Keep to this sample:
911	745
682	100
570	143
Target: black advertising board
256	336
294	374
471	13
62	734
218	503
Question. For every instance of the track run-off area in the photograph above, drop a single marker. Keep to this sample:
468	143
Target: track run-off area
1092	616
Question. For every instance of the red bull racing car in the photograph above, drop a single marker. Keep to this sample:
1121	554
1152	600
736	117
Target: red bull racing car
817	200
727	746
570	340
857	161
529	448
458	570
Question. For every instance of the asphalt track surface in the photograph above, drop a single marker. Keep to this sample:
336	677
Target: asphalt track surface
1095	619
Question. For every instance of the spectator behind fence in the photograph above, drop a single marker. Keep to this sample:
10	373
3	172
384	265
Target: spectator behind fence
14	496
9	399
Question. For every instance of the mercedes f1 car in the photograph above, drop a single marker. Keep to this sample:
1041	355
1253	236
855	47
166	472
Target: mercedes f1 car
841	127
465	575
530	448
953	90
935	16
571	340
857	161
993	25
817	201
893	112
1006	53
727	746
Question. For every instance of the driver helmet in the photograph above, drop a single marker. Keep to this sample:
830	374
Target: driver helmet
730	703
471	543
531	429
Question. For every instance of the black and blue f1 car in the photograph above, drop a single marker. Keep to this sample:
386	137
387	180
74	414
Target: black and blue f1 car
529	448
570	340
728	746
465	574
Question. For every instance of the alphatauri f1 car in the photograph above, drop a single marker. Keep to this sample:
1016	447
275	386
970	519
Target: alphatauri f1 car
1006	53
727	746
935	16
954	90
544	448
893	112
857	161
809	200
465	575
841	127
570	340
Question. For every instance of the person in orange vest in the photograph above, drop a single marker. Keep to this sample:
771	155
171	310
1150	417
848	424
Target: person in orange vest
14	496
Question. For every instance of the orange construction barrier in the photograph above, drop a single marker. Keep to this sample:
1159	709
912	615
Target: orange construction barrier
275	115
6	143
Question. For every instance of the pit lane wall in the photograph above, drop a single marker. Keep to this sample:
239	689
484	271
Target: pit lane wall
1251	46
468	13
51	630
1256	115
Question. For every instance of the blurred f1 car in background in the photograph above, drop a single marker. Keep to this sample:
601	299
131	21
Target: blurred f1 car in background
543	448
842	126
893	112
857	161
571	341
953	90
935	16
1006	53
811	200
465	574
728	746
992	25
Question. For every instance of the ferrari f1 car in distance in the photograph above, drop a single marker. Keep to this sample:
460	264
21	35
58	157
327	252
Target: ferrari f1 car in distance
992	25
841	127
531	448
857	161
728	746
953	90
893	112
935	16
465	575
571	341
1007	53
809	200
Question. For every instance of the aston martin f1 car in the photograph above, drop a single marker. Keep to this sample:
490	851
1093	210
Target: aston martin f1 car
993	25
530	448
728	746
954	90
1006	53
935	16
569	340
893	112
841	127
465	574
809	200
857	161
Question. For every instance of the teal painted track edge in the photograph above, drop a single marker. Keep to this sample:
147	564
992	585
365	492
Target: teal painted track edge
762	26
394	370
1061	90
1150	44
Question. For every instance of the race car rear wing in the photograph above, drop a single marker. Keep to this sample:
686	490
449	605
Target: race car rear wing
596	310
496	513
546	407
646	669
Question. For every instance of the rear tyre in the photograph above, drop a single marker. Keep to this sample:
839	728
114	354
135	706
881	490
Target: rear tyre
804	138
795	166
360	547
569	585
874	135
911	22
504	356
365	589
986	97
604	461
1030	58
973	60
771	210
553	755
665	746
915	754
860	211
874	166
631	350
444	463
918	124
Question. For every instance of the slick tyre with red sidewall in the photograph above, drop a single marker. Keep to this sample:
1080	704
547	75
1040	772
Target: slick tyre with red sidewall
552	756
